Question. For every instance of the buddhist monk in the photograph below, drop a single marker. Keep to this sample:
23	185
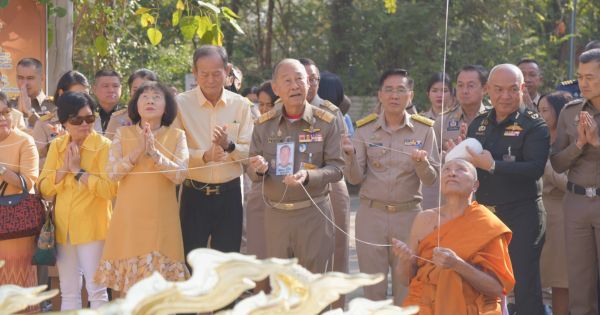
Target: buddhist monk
469	271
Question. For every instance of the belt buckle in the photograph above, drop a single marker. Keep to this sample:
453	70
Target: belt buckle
590	192
216	190
391	208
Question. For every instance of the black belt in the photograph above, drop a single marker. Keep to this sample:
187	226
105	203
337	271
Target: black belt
585	191
210	189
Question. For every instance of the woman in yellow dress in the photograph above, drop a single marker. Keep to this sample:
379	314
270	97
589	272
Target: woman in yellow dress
148	159
18	157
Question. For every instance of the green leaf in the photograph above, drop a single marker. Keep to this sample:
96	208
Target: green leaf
204	25
141	11
154	35
540	17
146	19
3	3
176	17
229	13
188	26
60	11
180	6
236	26
101	45
209	6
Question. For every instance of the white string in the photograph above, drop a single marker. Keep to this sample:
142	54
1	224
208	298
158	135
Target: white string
346	233
442	124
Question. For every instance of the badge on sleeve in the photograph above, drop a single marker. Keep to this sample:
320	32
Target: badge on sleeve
453	125
285	159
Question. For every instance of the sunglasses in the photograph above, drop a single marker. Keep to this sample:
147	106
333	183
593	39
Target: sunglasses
78	120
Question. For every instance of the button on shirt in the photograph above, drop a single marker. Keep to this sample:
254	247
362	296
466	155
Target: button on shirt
388	175
517	175
583	164
198	118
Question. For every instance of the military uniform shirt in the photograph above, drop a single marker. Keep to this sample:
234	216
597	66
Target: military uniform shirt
387	175
451	119
583	164
517	176
325	153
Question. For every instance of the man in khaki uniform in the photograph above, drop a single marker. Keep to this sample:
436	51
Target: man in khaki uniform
470	84
294	226
32	102
390	155
340	200
577	150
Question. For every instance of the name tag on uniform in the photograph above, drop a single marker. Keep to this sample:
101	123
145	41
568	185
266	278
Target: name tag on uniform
413	142
376	145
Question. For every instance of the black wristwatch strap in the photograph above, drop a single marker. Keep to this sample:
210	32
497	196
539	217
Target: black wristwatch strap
79	174
231	147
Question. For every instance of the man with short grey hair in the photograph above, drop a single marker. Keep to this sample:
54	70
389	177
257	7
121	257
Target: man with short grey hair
218	127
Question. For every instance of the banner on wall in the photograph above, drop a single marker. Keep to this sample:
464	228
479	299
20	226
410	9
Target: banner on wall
22	34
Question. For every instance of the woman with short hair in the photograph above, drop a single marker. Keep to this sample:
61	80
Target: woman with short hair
148	159
74	173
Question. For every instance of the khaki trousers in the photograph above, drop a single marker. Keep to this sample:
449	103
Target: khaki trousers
301	233
340	202
255	222
582	230
379	227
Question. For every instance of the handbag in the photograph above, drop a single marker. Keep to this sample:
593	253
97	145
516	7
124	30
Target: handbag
21	215
45	252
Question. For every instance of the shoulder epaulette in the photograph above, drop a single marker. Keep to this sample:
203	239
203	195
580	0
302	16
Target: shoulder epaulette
532	114
266	116
422	119
367	119
567	82
120	111
578	101
329	106
47	116
451	109
324	115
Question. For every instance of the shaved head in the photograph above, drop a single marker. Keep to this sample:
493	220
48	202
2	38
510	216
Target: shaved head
466	163
285	62
507	67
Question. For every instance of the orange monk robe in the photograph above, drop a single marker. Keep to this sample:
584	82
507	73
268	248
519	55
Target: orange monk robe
480	239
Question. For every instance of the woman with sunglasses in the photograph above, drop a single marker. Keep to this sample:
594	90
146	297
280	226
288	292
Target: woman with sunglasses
18	158
48	127
148	159
74	172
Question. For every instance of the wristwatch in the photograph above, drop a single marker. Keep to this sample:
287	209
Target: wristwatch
79	174
2	170
492	168
230	147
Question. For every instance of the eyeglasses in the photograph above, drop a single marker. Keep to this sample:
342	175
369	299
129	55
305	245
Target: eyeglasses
78	120
400	90
314	81
6	113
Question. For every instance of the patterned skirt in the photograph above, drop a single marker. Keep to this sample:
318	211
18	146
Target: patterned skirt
17	269
122	274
